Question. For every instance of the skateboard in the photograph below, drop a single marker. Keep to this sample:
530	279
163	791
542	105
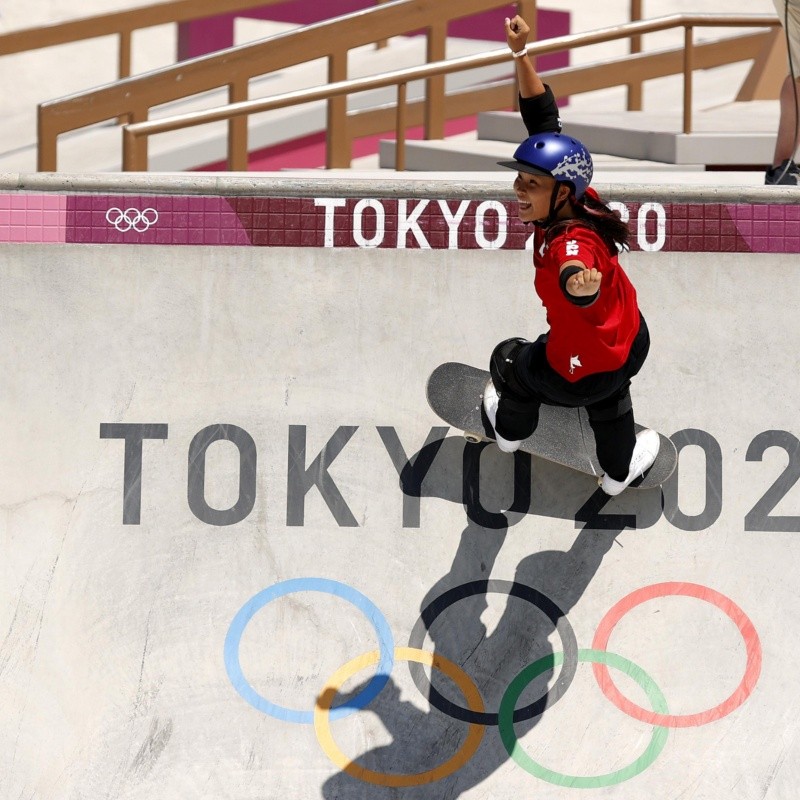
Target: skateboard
563	436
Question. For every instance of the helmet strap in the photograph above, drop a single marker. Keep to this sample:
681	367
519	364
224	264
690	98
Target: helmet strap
555	207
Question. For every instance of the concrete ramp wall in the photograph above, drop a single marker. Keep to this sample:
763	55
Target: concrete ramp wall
243	559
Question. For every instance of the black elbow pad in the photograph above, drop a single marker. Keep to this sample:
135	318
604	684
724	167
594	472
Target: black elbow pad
540	113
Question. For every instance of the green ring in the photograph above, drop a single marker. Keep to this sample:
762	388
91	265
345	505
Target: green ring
516	687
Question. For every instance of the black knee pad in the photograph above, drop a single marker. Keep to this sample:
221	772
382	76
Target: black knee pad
501	364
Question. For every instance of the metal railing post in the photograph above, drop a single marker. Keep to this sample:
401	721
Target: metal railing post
688	65
400	129
134	148
381	43
338	145
124	55
124	63
635	89
47	144
527	10
129	141
237	129
434	86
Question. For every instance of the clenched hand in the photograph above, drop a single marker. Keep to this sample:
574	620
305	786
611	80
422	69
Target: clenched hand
584	283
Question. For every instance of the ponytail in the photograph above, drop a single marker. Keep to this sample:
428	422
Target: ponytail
592	212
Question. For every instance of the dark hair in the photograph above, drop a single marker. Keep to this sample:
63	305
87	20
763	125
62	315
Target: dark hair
592	212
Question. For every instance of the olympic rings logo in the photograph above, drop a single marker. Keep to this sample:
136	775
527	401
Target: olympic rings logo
131	219
508	714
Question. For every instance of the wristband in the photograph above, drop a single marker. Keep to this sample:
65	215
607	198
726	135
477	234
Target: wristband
581	300
521	53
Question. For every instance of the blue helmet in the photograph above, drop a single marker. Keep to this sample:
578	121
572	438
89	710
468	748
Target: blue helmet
557	155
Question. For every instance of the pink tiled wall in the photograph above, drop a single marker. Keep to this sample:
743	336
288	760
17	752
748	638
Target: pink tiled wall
33	218
365	222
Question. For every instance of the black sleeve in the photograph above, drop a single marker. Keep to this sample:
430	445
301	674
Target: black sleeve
540	113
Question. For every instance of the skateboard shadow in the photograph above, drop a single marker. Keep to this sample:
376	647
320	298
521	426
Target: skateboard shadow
481	478
497	491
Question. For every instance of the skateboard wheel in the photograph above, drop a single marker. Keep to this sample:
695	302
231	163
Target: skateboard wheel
473	438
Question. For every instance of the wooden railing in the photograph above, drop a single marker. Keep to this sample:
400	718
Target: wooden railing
567	81
762	82
131	99
121	24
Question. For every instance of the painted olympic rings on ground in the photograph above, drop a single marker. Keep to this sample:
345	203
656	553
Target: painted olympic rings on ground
370	611
475	714
444	665
530	595
131	219
532	671
727	606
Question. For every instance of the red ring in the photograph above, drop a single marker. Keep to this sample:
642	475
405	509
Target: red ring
726	605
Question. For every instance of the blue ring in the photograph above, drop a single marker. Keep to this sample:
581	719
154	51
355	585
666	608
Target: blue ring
256	603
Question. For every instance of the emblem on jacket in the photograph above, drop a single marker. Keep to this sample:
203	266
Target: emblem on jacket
574	362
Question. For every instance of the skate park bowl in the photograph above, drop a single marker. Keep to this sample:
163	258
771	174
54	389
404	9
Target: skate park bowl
243	559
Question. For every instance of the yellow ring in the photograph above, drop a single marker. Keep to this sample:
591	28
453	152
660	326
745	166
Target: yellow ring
444	665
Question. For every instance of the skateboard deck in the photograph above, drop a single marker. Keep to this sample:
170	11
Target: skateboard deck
563	436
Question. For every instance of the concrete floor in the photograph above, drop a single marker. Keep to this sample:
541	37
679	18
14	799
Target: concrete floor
222	489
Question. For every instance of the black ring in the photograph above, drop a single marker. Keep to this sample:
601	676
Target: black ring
514	589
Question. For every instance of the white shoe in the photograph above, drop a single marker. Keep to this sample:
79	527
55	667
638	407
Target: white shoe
644	454
491	400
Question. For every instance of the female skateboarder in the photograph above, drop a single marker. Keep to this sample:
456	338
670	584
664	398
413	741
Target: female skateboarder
598	339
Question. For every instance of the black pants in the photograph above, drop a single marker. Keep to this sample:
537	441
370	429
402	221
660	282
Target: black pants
524	379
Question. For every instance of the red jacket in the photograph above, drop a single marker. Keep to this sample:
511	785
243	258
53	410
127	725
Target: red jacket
584	340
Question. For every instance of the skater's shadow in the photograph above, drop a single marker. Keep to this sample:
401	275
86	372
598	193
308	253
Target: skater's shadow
497	491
